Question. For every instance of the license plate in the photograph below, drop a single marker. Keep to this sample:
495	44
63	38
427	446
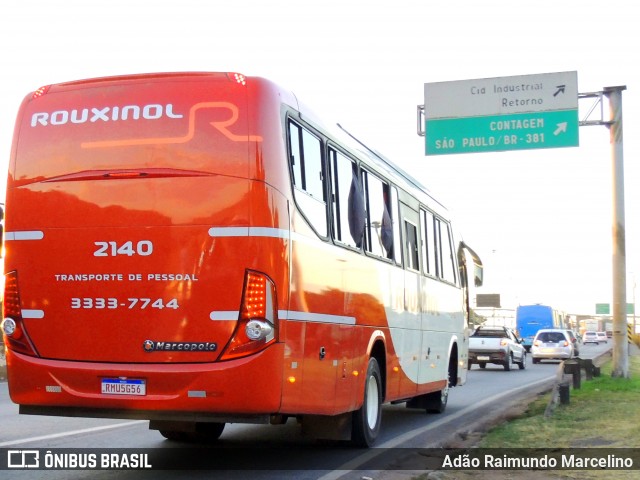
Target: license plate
124	386
483	358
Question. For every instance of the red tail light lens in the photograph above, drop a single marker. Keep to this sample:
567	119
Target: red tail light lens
13	329
257	325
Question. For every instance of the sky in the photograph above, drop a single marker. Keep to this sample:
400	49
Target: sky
541	220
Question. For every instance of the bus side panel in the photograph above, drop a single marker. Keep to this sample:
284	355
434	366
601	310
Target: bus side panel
341	299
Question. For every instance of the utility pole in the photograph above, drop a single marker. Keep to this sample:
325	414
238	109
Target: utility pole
620	345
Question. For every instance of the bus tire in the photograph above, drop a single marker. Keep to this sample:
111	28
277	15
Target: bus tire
366	421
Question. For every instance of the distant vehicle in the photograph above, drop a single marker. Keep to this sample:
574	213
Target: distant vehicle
552	344
498	345
531	318
608	327
574	341
602	337
592	324
590	337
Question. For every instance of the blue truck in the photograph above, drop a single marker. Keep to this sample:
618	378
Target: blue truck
531	318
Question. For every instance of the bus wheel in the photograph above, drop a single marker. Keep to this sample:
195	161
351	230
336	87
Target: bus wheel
204	432
366	420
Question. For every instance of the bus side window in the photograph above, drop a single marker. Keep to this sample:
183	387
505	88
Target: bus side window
429	243
411	236
379	232
347	200
305	152
444	258
357	211
449	259
394	208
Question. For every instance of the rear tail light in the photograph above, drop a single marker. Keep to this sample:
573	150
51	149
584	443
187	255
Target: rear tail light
257	325
13	329
566	344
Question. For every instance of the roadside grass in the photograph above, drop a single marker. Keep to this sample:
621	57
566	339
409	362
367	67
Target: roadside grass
603	413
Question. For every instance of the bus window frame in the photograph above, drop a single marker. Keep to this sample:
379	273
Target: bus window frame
299	192
336	150
365	171
437	271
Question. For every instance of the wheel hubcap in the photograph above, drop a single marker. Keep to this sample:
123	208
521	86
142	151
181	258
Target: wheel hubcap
372	402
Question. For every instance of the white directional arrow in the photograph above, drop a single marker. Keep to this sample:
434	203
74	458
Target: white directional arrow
562	127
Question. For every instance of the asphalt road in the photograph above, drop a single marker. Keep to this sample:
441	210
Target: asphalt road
270	452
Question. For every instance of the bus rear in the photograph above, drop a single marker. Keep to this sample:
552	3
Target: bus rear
530	319
129	287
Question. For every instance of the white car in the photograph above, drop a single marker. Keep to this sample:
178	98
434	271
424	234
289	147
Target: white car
590	337
498	345
552	344
602	337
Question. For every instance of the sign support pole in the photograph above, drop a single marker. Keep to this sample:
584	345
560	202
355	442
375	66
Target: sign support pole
620	345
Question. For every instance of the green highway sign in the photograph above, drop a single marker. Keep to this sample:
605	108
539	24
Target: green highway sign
504	113
521	131
605	309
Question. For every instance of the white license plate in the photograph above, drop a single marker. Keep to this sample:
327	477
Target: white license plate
483	358
124	386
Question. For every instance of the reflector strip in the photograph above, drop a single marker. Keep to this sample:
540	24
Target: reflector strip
290	315
316	317
32	314
228	315
249	232
24	235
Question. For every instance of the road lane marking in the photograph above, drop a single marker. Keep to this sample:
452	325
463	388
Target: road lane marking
68	434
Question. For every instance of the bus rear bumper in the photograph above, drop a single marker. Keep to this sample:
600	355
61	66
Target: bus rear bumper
248	390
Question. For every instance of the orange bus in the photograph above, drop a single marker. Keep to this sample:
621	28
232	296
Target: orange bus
198	249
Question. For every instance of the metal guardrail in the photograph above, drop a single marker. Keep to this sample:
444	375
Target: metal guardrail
560	394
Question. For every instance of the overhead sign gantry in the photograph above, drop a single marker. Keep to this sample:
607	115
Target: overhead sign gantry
503	113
